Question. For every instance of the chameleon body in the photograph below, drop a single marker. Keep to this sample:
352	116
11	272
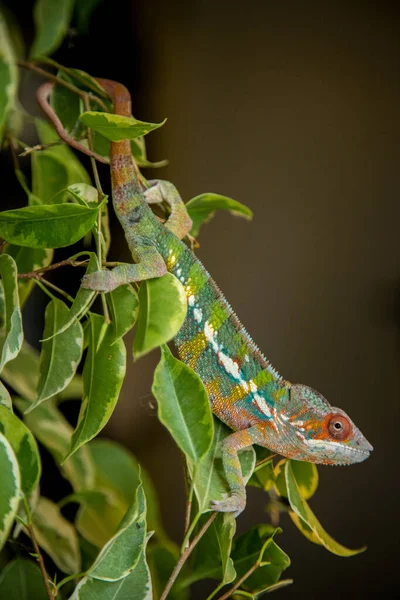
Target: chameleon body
245	391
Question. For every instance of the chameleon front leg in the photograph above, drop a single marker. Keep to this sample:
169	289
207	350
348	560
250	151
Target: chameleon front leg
178	221
235	442
150	264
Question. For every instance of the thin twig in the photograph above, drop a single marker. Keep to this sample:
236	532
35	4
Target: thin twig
183	558
264	461
40	560
237	585
42	283
73	74
36	274
32	67
39	147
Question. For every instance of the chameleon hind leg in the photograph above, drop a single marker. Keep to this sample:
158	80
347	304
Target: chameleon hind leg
150	264
178	221
235	442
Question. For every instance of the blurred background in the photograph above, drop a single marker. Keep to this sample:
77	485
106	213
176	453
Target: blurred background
293	109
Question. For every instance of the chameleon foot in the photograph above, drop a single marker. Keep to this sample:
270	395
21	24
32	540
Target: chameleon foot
235	503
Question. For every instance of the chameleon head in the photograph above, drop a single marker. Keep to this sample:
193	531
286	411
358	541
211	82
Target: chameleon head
317	432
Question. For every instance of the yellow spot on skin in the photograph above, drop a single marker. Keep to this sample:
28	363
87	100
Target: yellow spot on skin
190	351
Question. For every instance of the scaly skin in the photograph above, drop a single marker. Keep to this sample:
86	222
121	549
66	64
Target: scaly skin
245	391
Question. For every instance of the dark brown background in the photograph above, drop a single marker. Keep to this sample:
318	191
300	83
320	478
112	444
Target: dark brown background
293	109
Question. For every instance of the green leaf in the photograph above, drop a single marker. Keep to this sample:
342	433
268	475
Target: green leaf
60	355
263	476
22	373
79	307
47	226
136	586
258	544
49	175
117	128
209	476
117	476
211	557
304	513
306	476
5	398
103	374
83	193
22	580
162	311
84	10
8	75
10	488
121	554
52	20
27	260
52	430
162	558
14	335
56	536
67	105
25	449
123	303
183	405
202	208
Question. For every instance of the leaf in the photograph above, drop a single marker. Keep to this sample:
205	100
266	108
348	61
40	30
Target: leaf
49	175
202	208
136	586
14	335
67	105
211	557
209	476
8	75
52	20
54	168
123	303
24	447
79	306
5	398
121	554
56	536
117	128
22	373
83	193
306	476
52	430
303	511
103	374
263	476
47	226
183	405
10	489
27	260
162	311
258	544
117	476
22	580
60	355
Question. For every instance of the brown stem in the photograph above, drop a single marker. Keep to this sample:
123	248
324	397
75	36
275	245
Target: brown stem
30	149
185	555
32	67
264	461
41	96
40	560
237	585
36	274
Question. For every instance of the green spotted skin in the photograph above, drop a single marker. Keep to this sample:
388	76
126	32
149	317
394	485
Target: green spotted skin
214	343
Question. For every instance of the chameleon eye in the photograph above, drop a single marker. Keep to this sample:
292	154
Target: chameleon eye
339	427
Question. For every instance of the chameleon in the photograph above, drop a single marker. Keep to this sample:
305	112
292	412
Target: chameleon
245	391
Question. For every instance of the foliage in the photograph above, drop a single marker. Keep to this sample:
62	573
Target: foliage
116	546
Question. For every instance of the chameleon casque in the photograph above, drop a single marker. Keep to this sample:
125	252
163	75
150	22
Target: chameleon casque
244	390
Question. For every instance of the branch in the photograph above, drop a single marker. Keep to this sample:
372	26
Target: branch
237	585
37	274
40	560
186	555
